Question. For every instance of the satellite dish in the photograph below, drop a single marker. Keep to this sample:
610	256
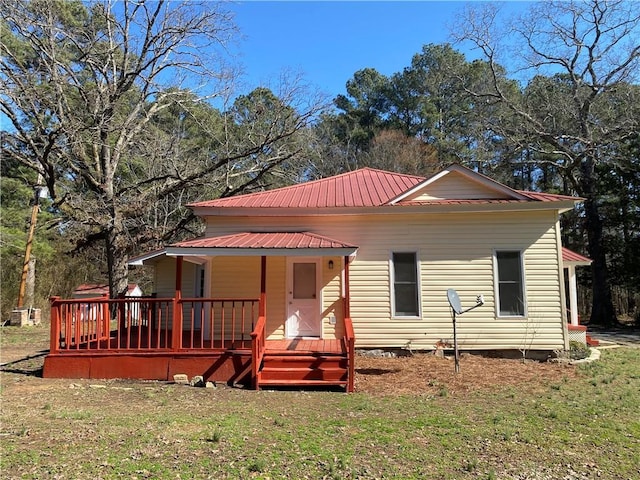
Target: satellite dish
454	301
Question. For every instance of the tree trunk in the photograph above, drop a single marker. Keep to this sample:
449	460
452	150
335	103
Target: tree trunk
602	310
117	260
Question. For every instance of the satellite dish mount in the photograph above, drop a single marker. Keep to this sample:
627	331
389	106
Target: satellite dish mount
456	308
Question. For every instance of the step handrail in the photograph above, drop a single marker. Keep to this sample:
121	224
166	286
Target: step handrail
350	341
258	347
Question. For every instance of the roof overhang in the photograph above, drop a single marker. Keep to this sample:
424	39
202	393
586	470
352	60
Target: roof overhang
256	252
263	243
434	207
147	258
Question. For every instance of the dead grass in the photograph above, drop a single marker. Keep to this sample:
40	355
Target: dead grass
411	417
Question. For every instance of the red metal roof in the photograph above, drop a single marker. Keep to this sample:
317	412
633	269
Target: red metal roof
569	256
98	289
292	240
366	187
547	197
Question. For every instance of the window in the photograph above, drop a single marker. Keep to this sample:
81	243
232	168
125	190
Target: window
510	284
405	285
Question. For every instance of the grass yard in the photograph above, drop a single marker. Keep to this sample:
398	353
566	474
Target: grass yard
411	418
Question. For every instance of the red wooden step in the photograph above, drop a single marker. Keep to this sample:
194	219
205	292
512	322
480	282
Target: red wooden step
304	373
302	383
293	353
592	342
304	361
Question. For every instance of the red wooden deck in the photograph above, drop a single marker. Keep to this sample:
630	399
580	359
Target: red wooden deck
224	341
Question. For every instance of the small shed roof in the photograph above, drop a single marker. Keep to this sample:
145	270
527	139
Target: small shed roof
98	289
573	258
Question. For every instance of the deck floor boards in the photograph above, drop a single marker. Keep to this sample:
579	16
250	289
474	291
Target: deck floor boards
301	345
142	339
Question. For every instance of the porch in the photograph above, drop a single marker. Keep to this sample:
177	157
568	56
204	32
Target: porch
221	339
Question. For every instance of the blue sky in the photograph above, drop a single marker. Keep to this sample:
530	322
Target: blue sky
327	42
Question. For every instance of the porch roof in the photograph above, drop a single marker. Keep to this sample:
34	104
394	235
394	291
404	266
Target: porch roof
255	244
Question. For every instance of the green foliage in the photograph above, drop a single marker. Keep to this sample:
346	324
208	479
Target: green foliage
57	272
569	124
429	102
578	350
99	108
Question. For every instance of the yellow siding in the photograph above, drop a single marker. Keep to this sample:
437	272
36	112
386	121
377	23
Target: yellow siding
165	283
235	277
331	302
454	250
457	186
165	278
240	277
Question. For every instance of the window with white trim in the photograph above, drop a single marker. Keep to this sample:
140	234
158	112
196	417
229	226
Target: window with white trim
406	291
509	283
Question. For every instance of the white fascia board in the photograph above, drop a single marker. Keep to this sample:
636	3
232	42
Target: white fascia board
561	206
141	259
576	263
419	187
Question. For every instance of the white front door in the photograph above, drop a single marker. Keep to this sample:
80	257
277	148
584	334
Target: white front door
303	297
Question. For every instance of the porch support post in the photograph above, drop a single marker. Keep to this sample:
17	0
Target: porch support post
347	293
573	295
54	339
176	337
262	307
348	327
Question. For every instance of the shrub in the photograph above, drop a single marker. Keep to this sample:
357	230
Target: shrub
578	350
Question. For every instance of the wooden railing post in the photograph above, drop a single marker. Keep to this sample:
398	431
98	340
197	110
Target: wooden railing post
54	341
176	332
106	317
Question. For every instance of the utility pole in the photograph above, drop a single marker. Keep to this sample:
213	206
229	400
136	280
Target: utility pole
27	254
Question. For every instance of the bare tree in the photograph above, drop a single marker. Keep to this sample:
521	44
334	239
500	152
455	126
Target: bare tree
85	88
580	58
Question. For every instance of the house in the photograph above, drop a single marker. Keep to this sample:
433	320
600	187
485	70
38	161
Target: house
285	284
89	291
93	290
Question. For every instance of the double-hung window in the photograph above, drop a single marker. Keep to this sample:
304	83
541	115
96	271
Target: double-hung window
406	289
509	283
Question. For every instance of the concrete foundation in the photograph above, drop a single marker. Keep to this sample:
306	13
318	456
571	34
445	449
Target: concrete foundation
22	317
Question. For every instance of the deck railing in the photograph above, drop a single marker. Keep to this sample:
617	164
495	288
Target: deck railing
258	347
141	323
350	342
218	323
